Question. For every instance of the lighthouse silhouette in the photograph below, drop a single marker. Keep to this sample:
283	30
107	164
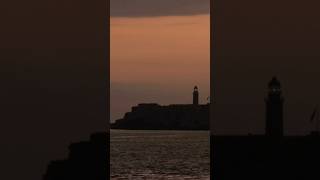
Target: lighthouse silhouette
274	109
195	96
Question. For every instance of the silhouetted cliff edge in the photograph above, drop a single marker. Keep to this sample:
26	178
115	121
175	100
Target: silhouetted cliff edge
87	160
172	117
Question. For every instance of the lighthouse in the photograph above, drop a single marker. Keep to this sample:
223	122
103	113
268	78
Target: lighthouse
274	109
195	96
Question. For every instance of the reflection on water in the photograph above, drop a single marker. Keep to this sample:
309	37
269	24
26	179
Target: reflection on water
160	155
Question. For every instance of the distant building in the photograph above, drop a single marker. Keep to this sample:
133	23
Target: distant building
153	116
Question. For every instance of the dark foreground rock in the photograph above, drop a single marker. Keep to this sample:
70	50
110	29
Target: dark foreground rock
87	160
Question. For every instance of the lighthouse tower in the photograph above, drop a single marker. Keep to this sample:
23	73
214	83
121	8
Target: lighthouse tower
274	109
195	96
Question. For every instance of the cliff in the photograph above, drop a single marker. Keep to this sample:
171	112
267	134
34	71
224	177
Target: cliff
87	160
171	117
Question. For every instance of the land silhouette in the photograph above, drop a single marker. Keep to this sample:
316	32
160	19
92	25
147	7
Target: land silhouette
266	156
153	116
86	160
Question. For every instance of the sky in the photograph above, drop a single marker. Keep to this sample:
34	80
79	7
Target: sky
159	51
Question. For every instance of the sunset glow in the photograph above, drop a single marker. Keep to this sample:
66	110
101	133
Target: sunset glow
169	52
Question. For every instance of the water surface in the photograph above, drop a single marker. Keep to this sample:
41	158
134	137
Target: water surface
160	155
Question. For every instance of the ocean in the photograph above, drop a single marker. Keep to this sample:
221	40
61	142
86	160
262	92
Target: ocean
171	155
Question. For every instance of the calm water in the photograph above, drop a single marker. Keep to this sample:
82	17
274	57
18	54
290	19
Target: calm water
172	155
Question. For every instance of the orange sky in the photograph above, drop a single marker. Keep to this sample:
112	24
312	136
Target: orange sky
169	52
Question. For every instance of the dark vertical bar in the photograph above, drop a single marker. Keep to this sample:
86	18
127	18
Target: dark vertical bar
264	88
54	77
212	92
108	86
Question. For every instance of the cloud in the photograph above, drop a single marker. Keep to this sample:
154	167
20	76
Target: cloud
152	8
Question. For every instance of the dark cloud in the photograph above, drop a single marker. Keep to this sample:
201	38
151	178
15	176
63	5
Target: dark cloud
147	8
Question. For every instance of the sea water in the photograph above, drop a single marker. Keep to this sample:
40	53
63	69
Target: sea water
160	155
